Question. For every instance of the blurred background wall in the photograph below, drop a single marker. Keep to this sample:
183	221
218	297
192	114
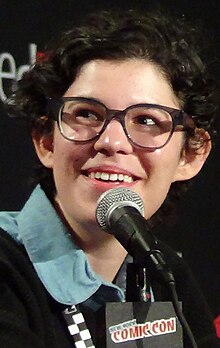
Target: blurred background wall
25	28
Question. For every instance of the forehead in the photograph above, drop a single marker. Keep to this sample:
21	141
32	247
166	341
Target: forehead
123	82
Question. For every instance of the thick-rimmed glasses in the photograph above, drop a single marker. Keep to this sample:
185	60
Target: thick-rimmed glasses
148	126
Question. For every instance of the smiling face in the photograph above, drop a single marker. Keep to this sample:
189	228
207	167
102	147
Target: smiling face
83	172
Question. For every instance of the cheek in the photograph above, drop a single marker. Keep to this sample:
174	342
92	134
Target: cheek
160	169
68	155
162	162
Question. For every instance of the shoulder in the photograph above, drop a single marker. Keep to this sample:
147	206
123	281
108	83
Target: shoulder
25	306
195	307
174	260
13	257
17	274
16	267
186	282
8	222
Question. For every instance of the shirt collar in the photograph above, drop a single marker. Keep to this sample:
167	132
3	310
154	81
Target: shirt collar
62	267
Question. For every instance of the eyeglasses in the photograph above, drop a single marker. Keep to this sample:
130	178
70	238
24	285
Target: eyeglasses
148	126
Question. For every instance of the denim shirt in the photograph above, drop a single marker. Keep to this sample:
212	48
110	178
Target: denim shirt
61	265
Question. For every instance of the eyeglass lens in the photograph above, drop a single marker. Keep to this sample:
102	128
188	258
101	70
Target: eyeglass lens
145	126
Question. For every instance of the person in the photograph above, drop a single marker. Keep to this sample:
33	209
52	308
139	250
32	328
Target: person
122	100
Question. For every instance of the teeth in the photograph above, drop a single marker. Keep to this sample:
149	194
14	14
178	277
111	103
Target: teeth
110	177
127	178
120	177
92	175
97	175
105	176
113	177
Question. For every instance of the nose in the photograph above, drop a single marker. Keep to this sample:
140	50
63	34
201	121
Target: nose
113	140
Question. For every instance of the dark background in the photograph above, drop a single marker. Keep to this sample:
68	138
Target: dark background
196	231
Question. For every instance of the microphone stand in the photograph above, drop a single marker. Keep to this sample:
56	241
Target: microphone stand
137	285
160	265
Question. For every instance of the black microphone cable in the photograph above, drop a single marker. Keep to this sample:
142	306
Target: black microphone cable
180	316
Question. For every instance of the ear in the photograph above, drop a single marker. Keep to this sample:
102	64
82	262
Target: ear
194	155
43	144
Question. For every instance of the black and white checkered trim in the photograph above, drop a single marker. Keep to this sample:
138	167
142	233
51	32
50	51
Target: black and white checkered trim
77	327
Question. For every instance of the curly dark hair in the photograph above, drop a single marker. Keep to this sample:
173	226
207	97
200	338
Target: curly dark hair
172	43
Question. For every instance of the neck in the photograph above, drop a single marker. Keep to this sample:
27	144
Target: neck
107	259
105	254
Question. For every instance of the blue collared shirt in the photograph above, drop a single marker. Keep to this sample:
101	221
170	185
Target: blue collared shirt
61	266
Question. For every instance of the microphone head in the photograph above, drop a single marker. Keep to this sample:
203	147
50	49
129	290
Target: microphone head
115	198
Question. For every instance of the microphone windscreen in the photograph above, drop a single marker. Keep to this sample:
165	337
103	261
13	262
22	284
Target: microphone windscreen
114	198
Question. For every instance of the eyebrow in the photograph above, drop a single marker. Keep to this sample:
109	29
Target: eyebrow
89	97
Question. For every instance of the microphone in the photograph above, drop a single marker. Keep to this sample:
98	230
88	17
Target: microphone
120	212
